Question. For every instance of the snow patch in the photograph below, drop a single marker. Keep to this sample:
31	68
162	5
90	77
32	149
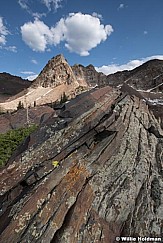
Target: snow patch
155	101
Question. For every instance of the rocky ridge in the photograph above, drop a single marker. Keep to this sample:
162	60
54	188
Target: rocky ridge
55	79
148	76
58	71
89	75
59	77
11	85
145	82
108	181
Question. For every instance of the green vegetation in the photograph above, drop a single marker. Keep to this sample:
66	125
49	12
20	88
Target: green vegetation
11	140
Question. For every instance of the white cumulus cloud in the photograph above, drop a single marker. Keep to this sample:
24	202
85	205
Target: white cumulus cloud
94	14
80	32
36	35
3	32
113	68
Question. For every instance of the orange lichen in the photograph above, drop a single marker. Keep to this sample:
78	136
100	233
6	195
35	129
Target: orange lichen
74	174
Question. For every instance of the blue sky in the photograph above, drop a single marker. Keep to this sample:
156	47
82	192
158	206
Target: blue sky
110	34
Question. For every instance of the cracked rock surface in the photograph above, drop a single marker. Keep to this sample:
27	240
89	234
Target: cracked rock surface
109	181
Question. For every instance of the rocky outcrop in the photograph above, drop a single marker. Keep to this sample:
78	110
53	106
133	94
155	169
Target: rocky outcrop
58	71
54	81
88	75
55	73
154	100
107	181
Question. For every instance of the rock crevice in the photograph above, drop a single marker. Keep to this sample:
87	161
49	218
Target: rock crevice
108	181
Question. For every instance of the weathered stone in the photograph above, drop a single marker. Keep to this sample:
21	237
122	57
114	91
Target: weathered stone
55	73
88	76
108	182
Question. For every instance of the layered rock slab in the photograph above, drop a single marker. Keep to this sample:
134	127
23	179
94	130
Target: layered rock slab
108	183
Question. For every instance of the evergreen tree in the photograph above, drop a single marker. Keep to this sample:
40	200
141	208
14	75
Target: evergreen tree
64	98
20	105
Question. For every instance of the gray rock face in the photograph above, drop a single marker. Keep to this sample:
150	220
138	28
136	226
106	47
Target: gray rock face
108	180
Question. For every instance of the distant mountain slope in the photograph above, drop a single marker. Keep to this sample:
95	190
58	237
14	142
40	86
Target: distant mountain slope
11	85
148	76
56	78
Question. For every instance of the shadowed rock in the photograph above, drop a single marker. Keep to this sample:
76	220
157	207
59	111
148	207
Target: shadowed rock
36	115
12	85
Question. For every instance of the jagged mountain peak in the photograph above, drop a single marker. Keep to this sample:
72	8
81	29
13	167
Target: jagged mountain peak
89	75
56	72
58	59
90	66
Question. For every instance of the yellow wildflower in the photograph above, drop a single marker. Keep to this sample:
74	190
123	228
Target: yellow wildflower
55	163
